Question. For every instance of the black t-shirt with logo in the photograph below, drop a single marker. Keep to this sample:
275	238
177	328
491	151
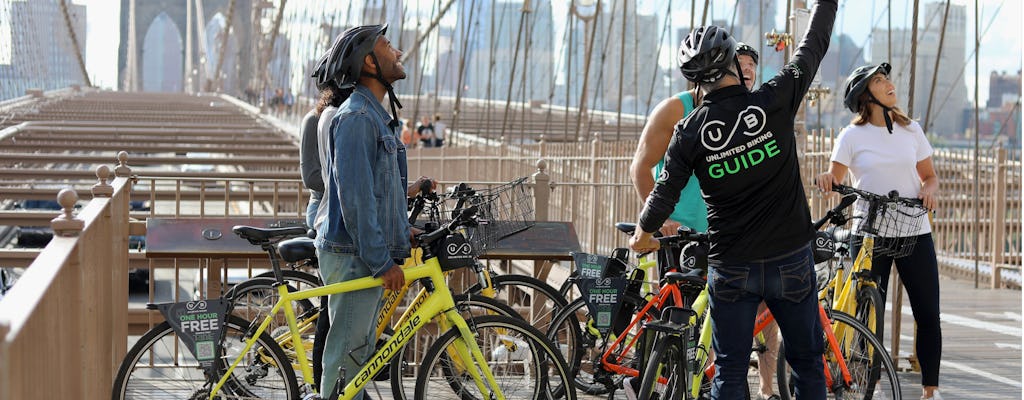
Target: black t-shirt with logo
742	147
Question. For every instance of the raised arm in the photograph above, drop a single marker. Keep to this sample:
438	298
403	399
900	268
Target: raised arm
653	143
792	82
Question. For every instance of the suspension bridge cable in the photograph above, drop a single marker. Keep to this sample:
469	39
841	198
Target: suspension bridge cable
974	53
512	74
935	73
74	42
223	48
661	43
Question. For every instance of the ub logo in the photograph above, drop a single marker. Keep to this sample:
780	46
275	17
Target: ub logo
713	137
195	305
459	249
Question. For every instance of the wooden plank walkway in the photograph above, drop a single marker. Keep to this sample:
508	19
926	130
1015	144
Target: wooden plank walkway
981	340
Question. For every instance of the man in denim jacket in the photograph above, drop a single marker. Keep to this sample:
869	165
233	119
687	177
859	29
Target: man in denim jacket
366	232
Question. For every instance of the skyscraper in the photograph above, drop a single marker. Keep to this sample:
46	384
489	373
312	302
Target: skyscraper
504	40
950	92
43	60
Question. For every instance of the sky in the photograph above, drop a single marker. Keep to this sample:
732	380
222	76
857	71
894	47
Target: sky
1001	46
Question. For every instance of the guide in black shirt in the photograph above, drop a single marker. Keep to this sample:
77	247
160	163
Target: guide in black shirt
742	148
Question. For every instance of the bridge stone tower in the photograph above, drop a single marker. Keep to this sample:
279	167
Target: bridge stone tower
238	66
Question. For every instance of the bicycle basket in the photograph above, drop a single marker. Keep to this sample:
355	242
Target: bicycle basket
894	225
502	211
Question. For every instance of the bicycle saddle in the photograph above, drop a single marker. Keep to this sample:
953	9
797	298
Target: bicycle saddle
297	249
691	281
258	235
625	227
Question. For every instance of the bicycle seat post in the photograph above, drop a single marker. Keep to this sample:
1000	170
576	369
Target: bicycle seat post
275	264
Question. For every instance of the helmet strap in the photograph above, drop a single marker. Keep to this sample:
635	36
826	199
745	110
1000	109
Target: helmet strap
739	71
885	111
392	99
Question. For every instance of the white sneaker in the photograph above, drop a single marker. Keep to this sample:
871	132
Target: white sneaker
627	386
631	385
935	396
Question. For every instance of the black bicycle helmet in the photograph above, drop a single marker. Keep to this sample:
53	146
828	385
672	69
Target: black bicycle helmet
746	50
857	84
343	63
706	54
319	74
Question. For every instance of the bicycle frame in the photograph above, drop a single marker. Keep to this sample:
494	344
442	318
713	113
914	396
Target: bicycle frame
436	303
665	294
844	287
390	302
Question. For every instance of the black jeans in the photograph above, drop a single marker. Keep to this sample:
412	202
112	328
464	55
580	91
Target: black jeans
786	284
919	272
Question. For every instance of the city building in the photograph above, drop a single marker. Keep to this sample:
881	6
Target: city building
47	61
950	90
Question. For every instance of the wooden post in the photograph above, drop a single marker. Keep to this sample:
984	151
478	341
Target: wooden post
122	165
501	158
541	191
102	188
998	220
67	224
592	238
5	361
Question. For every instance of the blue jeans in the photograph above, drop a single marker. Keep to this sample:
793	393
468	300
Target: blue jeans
311	212
787	286
351	339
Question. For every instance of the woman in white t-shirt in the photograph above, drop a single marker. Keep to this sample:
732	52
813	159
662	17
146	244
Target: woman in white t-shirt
886	150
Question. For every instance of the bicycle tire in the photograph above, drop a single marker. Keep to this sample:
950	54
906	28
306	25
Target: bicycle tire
181	377
252	299
580	351
541	364
668	359
401	367
534	299
872	369
296	280
871	310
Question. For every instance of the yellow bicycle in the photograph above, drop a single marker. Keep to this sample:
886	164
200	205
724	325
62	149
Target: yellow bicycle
883	225
493	357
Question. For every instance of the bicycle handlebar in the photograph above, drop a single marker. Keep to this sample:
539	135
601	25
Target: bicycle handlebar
426	193
684	235
892	197
464	217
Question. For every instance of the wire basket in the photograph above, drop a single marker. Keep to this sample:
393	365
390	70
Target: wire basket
893	224
502	211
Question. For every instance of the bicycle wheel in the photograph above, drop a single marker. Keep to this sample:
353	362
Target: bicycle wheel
581	345
525	364
535	300
668	362
872	370
407	359
159	366
871	310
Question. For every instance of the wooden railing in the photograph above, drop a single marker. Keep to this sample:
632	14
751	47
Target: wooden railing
63	323
593	189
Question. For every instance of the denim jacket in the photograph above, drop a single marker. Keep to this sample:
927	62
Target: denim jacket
365	190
